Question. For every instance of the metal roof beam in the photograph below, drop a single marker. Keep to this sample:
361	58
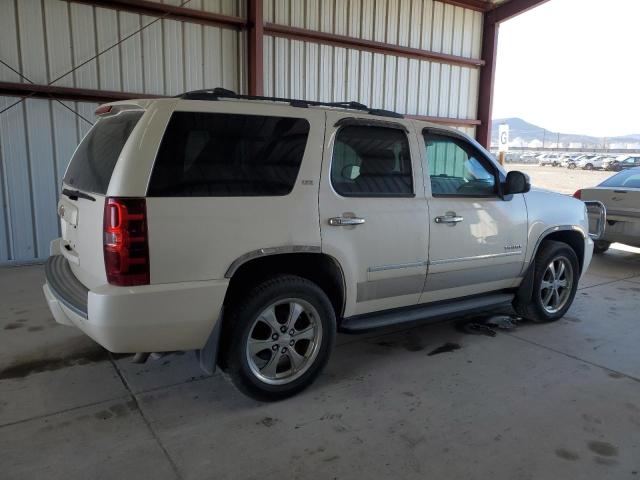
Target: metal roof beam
512	8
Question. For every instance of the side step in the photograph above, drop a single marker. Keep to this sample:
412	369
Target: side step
425	313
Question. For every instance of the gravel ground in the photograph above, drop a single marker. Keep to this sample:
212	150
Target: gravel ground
560	179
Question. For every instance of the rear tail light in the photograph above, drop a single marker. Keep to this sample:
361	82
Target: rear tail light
578	194
126	241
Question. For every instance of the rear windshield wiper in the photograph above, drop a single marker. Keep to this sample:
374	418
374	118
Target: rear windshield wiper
76	194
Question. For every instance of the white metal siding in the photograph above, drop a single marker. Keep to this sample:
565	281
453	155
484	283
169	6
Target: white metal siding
46	39
405	85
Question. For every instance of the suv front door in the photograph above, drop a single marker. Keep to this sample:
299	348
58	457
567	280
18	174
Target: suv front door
478	239
373	213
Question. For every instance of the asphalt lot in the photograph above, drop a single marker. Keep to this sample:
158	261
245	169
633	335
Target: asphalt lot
560	179
541	401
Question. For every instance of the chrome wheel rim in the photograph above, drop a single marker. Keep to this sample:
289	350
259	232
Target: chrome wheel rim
284	341
556	285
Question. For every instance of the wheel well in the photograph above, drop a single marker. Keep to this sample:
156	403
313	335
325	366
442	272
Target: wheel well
319	268
572	238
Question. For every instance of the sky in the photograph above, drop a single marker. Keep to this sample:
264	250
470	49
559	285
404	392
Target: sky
572	66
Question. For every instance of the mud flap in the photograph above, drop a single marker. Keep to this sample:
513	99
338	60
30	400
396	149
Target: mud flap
208	355
525	291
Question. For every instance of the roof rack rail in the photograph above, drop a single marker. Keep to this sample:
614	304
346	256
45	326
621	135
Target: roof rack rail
213	94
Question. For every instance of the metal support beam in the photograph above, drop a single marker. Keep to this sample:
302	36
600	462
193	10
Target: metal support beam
304	34
52	92
458	122
513	8
255	47
10	89
492	20
487	78
477	5
157	9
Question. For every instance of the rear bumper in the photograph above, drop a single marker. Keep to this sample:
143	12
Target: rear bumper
149	318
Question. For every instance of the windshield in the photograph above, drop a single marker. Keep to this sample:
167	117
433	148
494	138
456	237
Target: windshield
95	158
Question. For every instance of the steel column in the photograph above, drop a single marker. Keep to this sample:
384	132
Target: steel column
255	47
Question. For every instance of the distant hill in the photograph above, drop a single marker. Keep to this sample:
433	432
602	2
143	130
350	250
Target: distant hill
528	132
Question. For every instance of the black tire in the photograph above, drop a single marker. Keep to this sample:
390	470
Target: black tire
534	309
600	246
240	325
571	166
588	166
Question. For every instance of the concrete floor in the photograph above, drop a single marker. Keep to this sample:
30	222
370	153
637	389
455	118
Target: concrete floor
542	401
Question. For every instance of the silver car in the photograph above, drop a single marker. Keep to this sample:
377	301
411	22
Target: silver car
621	196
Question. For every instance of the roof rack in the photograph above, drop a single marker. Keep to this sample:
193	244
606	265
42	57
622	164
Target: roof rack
213	94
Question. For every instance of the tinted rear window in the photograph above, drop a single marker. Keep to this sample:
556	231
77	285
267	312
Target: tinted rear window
96	156
217	154
625	179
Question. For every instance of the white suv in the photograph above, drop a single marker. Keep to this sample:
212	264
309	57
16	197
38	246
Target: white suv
251	230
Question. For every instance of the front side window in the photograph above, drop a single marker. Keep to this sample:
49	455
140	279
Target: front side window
457	168
371	161
228	155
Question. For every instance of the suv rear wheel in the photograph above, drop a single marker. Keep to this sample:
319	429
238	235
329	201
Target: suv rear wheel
555	281
279	338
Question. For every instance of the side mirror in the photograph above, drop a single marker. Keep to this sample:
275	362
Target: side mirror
516	182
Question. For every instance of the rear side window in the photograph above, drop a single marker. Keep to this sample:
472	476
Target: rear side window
371	162
626	179
95	158
225	155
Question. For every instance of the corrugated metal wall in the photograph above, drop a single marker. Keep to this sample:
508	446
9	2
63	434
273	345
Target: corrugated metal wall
304	69
46	39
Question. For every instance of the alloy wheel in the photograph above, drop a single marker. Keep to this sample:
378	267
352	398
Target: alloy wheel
556	284
284	341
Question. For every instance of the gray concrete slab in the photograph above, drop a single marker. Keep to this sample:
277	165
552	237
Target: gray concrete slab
32	395
602	326
618	263
544	401
103	441
28	331
497	408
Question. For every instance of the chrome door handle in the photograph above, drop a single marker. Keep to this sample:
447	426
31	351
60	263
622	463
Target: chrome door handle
449	219
345	221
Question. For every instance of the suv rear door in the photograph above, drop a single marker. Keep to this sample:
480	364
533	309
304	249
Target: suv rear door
84	189
477	239
373	214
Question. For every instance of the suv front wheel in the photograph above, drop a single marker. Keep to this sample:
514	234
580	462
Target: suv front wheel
279	337
555	281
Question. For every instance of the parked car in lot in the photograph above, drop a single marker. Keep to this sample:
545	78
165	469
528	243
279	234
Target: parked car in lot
546	159
590	162
621	196
568	161
251	230
621	162
528	158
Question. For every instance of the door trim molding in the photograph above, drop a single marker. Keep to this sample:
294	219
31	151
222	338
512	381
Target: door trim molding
395	266
477	257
